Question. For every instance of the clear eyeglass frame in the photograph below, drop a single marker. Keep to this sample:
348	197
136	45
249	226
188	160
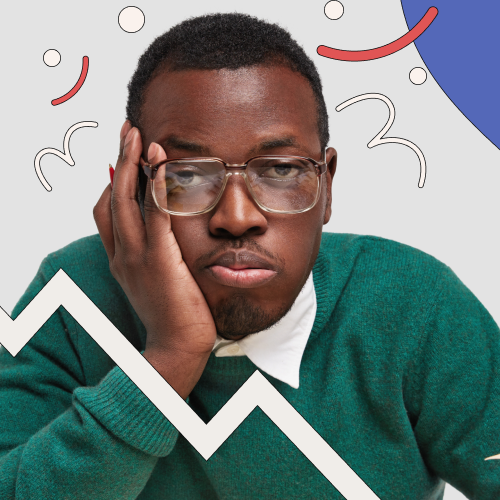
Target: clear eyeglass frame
236	169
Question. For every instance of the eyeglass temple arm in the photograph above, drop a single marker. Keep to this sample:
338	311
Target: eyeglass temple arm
322	166
149	170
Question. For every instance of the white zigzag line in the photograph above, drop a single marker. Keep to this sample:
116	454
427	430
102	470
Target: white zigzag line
205	438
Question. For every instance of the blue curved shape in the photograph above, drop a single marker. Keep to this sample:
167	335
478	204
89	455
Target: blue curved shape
462	52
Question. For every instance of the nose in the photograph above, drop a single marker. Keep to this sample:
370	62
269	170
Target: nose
237	214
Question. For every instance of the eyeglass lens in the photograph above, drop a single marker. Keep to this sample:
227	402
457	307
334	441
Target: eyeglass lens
276	183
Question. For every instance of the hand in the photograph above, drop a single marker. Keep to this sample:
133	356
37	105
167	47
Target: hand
146	260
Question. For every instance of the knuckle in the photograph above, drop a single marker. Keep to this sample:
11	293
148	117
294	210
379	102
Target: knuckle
149	206
96	212
121	148
130	262
125	156
113	268
120	267
115	203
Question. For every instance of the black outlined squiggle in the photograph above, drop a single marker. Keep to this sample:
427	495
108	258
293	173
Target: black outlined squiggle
66	156
380	139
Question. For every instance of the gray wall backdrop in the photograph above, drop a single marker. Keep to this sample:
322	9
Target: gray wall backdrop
454	217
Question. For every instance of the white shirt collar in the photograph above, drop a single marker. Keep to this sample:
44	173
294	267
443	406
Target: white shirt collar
278	351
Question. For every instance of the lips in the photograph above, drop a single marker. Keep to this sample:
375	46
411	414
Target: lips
241	269
242	260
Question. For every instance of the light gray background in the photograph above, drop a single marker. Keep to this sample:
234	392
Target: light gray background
454	217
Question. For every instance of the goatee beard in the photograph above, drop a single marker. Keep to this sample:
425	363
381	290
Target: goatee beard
238	317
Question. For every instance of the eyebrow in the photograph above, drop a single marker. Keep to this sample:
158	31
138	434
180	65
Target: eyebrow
175	142
279	142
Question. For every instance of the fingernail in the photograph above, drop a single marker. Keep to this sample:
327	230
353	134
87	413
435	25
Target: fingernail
130	135
111	175
125	129
152	150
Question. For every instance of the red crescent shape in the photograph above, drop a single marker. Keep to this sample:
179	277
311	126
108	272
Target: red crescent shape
385	50
76	88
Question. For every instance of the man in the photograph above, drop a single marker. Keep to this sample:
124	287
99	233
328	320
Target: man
380	347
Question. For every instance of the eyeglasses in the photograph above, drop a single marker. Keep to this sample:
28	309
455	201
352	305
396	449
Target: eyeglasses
278	184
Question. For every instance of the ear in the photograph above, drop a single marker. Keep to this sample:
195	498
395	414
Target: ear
331	161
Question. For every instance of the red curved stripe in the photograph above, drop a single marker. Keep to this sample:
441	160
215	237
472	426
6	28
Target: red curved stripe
385	50
76	88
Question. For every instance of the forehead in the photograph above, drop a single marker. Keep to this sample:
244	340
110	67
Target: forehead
232	107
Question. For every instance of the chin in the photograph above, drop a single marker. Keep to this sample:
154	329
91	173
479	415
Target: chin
237	317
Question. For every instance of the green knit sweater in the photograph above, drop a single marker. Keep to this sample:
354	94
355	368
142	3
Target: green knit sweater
401	376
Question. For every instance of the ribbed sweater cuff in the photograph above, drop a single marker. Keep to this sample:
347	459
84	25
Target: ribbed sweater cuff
123	409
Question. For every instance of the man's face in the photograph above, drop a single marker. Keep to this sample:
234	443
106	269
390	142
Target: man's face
235	115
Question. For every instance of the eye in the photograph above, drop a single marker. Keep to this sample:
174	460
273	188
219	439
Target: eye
184	176
282	170
187	177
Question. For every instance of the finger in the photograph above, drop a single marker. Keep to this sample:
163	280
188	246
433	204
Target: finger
104	222
127	219
158	224
123	133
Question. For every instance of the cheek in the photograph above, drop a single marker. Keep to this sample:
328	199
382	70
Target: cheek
190	233
313	230
297	240
323	202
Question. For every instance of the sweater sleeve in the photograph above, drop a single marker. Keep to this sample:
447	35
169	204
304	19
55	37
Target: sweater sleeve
60	439
456	392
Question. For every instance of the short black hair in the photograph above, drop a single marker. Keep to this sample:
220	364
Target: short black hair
223	41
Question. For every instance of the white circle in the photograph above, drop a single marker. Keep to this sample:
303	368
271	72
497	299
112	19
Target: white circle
51	57
334	10
131	19
418	76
